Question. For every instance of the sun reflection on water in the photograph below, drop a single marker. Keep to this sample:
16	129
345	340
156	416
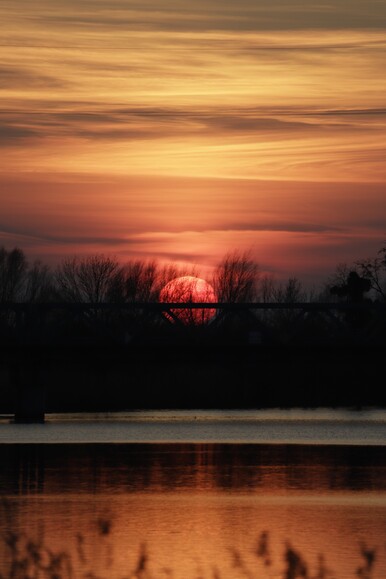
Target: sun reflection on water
189	511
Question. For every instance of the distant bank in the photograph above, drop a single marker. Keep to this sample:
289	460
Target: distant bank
295	427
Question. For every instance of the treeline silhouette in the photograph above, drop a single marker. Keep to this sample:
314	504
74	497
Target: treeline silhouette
99	278
237	278
108	286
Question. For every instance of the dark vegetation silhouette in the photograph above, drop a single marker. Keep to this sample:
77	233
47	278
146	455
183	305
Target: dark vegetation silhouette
353	288
22	282
86	474
95	542
27	558
237	278
92	333
374	270
13	270
86	279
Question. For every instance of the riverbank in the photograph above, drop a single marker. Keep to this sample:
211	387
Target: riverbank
293	427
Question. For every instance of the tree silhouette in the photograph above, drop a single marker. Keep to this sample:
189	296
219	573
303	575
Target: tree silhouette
290	292
136	281
236	278
13	270
374	269
353	289
38	283
87	279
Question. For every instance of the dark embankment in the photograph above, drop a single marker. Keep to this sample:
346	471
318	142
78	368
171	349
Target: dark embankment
84	358
191	375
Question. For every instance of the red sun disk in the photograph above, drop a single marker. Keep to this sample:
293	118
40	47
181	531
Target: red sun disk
189	289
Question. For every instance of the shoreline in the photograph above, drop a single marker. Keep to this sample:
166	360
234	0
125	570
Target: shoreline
296	426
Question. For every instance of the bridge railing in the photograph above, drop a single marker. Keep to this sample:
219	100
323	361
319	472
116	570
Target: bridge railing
278	322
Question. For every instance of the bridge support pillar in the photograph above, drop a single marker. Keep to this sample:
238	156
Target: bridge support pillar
31	397
31	406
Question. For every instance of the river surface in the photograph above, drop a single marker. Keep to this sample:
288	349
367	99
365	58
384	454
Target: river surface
197	509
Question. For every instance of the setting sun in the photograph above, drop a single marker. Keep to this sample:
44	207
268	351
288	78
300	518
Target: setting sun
189	289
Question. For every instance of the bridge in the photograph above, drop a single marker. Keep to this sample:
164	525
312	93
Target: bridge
36	321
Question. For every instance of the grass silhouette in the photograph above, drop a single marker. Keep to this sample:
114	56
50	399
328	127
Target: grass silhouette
34	559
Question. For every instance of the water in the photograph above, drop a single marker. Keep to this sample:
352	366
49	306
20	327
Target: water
195	510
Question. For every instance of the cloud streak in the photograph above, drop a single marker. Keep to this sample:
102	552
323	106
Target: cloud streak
204	15
136	124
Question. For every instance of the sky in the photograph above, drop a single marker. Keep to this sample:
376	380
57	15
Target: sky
181	130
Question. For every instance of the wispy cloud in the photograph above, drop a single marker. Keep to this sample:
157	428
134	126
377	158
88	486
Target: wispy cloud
14	135
23	78
181	15
186	128
135	124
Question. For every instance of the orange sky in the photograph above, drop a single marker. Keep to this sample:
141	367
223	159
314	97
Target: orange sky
181	130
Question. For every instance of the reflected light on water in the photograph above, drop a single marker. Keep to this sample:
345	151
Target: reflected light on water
189	511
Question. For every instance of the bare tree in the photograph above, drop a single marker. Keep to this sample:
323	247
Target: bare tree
374	269
13	269
267	285
339	277
87	279
236	278
136	281
290	292
38	283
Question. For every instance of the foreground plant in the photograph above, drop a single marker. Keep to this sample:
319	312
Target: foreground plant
33	559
